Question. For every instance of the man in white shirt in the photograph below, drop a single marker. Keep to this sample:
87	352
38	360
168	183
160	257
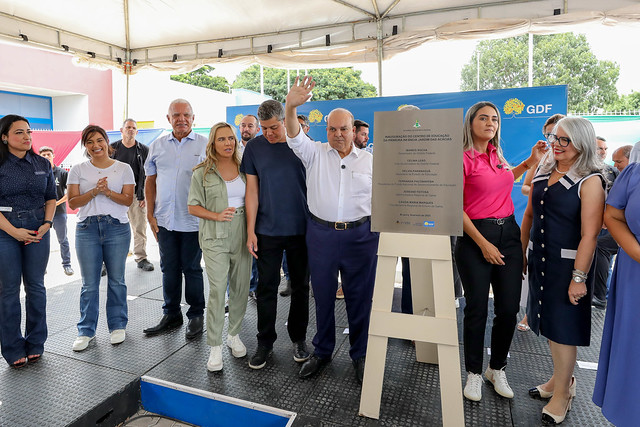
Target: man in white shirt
339	237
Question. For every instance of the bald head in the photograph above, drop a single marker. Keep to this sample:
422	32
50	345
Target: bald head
340	130
620	157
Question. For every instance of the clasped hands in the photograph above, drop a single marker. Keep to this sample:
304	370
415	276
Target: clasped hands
102	186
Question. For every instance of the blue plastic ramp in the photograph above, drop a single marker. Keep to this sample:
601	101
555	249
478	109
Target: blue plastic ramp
207	409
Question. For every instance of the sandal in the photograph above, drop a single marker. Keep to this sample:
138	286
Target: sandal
33	358
523	327
19	363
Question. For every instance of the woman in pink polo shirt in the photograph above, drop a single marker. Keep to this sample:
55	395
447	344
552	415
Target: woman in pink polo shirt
490	252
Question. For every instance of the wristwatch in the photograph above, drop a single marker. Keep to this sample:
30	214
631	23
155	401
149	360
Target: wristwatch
578	279
46	221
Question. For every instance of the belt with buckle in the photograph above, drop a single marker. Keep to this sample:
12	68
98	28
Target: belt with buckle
341	225
497	221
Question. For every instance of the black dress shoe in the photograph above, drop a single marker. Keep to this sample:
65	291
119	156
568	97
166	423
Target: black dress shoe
167	322
312	366
145	265
300	353
194	327
359	366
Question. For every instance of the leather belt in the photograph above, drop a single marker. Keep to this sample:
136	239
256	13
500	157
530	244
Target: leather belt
341	225
497	221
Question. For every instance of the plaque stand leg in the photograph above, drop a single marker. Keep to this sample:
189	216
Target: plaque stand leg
433	325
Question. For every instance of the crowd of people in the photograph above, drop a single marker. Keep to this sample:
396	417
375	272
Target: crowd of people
245	204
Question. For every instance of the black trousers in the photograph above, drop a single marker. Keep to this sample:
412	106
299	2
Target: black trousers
605	250
270	250
477	274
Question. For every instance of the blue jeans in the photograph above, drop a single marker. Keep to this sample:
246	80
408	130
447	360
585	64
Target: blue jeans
60	225
99	239
180	254
23	263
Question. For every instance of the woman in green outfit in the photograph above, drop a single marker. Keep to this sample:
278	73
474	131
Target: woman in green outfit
216	197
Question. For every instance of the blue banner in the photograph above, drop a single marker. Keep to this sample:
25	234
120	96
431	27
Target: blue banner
523	113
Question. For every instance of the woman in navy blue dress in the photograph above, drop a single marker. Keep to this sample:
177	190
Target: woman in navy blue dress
559	234
618	368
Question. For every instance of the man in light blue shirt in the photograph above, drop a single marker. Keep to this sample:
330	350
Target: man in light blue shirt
168	169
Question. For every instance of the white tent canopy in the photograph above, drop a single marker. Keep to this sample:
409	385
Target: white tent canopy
180	35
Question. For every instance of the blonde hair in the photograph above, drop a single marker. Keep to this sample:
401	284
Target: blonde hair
211	161
467	135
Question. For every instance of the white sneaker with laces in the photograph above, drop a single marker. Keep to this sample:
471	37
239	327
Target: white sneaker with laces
473	388
214	363
237	347
118	336
499	380
82	342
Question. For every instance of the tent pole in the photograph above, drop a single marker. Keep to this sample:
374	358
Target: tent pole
126	100
379	40
127	62
530	60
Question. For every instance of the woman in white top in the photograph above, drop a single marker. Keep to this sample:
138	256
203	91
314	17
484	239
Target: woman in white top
216	197
102	189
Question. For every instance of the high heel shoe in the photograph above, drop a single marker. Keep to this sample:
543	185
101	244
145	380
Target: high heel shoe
538	392
549	419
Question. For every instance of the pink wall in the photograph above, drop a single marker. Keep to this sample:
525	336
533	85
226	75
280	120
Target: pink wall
48	70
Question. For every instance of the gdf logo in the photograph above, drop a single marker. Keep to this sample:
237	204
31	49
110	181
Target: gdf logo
539	109
514	107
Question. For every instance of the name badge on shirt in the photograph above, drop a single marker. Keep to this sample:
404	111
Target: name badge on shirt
41	173
6	209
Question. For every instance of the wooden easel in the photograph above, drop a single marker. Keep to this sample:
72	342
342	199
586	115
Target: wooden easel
433	325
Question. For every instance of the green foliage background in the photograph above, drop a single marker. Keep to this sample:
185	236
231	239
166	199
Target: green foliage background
557	59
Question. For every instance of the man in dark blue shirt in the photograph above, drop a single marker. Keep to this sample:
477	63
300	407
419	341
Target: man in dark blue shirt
60	217
276	209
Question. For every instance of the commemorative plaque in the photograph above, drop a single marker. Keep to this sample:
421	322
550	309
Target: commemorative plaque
417	172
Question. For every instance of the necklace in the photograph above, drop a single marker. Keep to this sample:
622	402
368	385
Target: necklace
561	173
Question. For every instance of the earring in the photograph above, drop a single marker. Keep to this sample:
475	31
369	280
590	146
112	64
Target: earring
4	141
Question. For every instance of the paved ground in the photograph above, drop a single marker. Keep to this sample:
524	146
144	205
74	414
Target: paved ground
65	386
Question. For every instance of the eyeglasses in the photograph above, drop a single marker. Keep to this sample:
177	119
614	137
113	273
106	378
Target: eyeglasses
563	141
546	135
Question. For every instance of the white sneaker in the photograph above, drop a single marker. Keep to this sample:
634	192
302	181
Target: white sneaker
117	336
214	363
473	388
499	380
82	342
237	347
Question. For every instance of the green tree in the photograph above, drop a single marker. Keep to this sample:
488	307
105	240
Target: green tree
557	59
630	102
202	77
331	83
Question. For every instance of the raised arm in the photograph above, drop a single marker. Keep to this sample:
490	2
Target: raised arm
299	93
537	151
